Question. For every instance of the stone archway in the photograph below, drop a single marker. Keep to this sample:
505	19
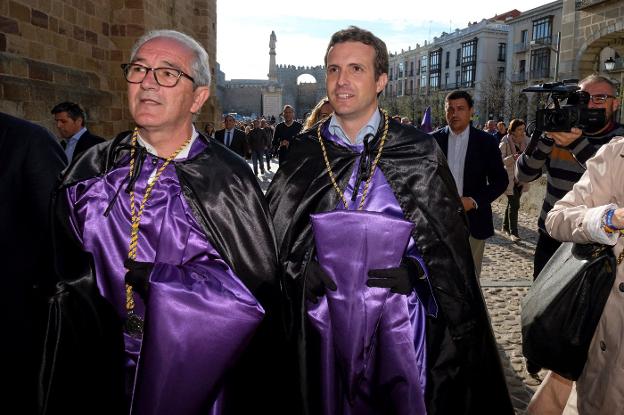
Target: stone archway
587	58
303	96
307	93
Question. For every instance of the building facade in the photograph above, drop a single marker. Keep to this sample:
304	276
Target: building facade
63	50
532	58
593	32
472	59
589	32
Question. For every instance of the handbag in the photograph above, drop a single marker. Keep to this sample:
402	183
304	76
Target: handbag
562	309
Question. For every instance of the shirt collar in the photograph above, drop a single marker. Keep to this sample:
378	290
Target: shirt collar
370	127
181	155
78	134
462	134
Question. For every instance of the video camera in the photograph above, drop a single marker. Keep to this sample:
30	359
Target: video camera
575	112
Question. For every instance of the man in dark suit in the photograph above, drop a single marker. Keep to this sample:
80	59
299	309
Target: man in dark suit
477	167
30	164
70	121
232	137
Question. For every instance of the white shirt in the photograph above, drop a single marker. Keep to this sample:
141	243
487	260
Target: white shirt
457	146
369	128
181	155
228	140
71	144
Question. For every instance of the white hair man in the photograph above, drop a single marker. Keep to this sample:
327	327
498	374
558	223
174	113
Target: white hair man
169	290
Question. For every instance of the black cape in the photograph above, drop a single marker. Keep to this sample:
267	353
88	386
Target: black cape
464	371
83	369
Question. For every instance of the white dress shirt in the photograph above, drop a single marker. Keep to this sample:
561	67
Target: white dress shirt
72	142
457	146
369	128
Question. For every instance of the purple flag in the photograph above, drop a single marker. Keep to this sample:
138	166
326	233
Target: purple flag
425	125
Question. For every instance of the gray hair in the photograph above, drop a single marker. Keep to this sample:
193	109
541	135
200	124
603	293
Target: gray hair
200	67
596	79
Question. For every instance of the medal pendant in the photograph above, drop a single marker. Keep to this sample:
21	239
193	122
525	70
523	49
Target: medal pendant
134	325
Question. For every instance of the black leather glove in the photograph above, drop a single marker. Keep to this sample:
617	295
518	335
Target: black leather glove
316	281
138	276
400	280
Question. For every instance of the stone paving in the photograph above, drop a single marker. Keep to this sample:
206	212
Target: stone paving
506	276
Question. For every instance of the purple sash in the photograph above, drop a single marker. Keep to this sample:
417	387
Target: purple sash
372	341
196	327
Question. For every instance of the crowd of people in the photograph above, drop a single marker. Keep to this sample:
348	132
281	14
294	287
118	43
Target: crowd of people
154	276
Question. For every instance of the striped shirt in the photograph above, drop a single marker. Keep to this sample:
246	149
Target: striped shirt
564	166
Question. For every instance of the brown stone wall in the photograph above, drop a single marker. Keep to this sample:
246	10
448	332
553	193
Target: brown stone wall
57	50
585	31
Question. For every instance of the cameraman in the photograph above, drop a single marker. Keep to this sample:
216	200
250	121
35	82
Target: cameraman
564	154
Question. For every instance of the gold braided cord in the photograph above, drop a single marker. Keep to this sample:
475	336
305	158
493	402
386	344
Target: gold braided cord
332	178
136	216
374	166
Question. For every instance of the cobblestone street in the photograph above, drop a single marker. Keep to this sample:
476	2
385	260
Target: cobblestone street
506	277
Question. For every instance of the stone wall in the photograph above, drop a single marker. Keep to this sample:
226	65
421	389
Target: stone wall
587	27
244	100
58	50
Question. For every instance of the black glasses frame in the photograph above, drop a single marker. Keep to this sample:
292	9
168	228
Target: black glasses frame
126	66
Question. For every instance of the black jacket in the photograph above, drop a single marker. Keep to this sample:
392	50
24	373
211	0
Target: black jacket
31	161
464	370
485	177
238	143
83	369
86	141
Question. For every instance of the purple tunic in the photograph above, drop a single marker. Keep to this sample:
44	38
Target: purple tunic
199	316
373	351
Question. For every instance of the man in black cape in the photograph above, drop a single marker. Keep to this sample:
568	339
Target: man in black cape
202	332
463	371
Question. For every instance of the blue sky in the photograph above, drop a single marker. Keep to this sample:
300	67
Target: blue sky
303	29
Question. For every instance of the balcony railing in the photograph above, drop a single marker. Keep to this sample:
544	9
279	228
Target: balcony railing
584	4
521	47
518	77
452	85
543	41
542	73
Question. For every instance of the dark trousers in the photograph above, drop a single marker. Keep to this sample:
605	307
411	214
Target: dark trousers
510	222
256	158
282	153
268	156
545	248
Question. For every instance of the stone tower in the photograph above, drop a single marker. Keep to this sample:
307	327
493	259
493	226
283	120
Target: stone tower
272	66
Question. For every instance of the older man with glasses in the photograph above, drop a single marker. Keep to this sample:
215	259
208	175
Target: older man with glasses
562	155
163	305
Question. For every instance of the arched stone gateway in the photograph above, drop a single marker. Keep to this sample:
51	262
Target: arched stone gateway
281	88
303	96
587	59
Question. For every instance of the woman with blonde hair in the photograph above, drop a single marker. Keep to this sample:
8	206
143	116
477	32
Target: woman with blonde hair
322	110
512	146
